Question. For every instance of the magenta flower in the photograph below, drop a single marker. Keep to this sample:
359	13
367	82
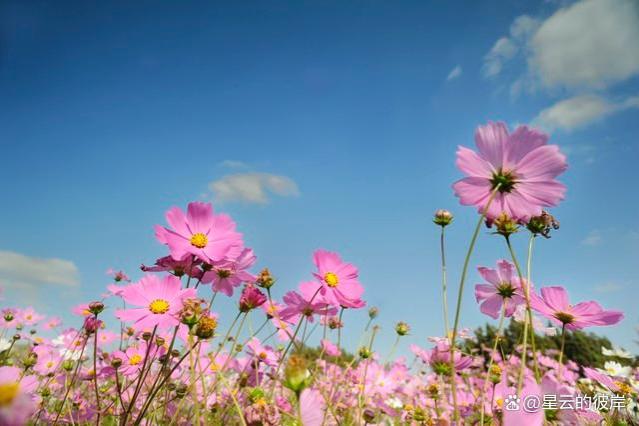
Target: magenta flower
200	233
303	304
159	300
554	305
261	353
521	163
187	266
340	284
503	288
17	396
251	298
231	273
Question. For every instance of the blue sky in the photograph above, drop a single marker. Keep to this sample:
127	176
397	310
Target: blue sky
325	124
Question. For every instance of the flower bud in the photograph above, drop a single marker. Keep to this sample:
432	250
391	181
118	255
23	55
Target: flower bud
296	374
159	341
180	390
443	217
433	390
265	279
251	298
116	362
146	336
402	328
67	365
8	316
96	307
368	415
504	225
365	353
494	374
543	224
373	312
206	326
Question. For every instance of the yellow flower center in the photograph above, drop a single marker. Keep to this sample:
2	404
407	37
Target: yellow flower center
159	306
214	367
331	279
8	392
135	359
199	240
50	364
262	355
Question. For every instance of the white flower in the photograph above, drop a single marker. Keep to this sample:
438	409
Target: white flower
4	344
394	402
613	368
616	352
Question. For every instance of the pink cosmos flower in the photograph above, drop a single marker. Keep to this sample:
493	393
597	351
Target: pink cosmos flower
200	233
339	280
229	274
117	275
51	323
133	358
554	305
251	298
522	164
29	316
48	360
503	288
187	266
261	353
312	407
524	415
303	304
18	396
159	300
330	348
82	310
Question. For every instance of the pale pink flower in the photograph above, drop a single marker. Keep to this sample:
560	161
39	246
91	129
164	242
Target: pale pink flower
503	288
200	233
312	407
18	396
330	348
554	305
229	274
522	164
157	300
298	305
339	280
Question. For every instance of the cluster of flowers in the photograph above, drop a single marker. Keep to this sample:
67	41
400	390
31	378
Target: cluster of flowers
169	364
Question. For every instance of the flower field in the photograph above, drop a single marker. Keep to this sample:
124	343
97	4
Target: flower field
176	361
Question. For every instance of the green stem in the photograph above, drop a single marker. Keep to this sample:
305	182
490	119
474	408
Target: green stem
561	351
460	294
500	328
444	283
531	242
528	320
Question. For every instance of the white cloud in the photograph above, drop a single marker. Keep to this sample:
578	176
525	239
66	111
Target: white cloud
233	164
252	187
608	287
592	44
507	47
454	73
579	111
593	238
25	272
502	51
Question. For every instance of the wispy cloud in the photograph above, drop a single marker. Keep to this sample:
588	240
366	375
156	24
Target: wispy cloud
579	111
252	187
505	48
454	73
24	272
593	238
608	287
233	164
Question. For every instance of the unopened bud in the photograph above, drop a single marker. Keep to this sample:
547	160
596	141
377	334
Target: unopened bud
206	327
364	352
116	362
265	279
402	328
96	307
443	217
504	225
373	312
146	336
